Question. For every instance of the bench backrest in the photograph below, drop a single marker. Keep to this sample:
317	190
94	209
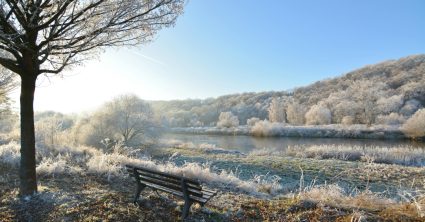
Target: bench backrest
169	181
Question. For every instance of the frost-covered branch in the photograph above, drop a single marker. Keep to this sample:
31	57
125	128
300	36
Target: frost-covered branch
66	32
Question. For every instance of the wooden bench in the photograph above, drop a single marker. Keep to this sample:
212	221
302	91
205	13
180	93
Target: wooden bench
188	189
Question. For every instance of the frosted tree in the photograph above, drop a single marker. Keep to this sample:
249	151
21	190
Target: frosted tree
7	115
410	107
391	119
366	93
131	118
346	110
47	130
252	121
295	113
126	119
45	36
277	111
7	84
388	105
227	120
318	115
92	130
415	125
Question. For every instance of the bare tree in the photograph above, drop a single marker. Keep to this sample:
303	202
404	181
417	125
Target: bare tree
7	84
126	119
46	36
277	110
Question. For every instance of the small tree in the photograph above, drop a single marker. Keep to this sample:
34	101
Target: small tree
7	84
415	126
126	119
387	105
45	36
48	129
227	120
295	113
345	112
277	111
7	116
131	118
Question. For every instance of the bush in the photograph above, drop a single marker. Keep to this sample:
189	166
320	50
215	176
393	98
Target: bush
318	115
10	153
227	120
415	125
252	121
347	120
266	128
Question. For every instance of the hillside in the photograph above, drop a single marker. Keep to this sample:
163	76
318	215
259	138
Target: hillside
385	93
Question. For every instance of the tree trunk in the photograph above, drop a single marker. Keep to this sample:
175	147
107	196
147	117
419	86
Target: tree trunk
27	172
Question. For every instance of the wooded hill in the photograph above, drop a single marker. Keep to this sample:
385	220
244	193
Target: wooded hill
385	93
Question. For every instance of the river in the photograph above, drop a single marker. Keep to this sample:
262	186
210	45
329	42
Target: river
246	144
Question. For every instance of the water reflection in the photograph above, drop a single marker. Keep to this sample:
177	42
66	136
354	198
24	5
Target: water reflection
246	143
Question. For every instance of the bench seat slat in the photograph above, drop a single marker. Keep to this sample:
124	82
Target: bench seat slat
196	186
177	187
208	191
162	173
168	180
178	193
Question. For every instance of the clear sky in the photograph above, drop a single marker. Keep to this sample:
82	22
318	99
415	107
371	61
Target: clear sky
220	47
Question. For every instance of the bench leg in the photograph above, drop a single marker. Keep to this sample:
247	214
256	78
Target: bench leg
186	208
140	187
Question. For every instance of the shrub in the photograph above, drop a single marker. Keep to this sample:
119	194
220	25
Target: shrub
266	128
10	153
318	115
227	120
56	165
415	125
252	121
347	120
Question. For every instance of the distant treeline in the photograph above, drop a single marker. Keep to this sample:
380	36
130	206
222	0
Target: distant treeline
386	93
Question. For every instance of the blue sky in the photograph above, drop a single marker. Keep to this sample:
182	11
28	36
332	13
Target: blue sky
220	47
